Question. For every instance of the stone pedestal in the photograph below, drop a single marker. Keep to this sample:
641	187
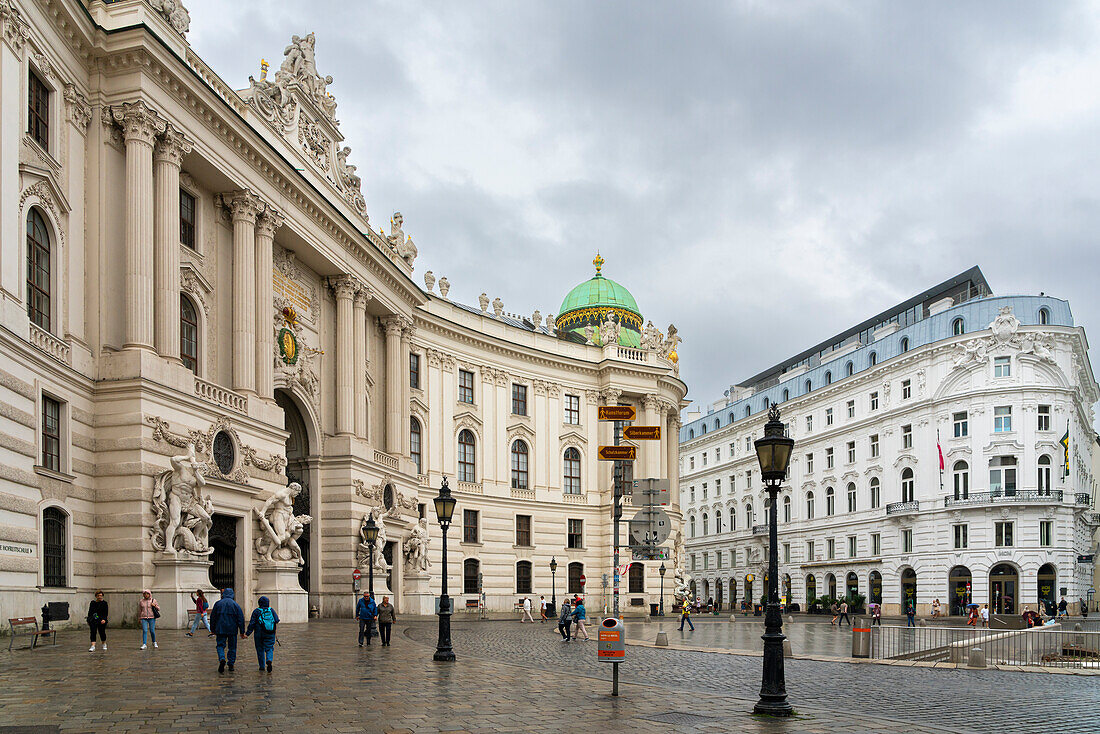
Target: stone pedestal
175	579
278	581
418	598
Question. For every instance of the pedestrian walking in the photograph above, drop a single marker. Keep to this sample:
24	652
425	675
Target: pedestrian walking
542	608
579	616
227	621
910	613
565	620
1063	608
366	611
685	616
876	614
263	624
97	620
836	613
844	614
972	617
148	611
201	615
985	615
744	607
387	615
527	611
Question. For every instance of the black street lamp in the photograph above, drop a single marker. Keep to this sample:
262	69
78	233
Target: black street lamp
370	530
661	571
444	511
774	453
553	585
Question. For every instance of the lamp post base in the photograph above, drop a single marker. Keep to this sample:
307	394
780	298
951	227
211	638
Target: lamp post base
444	653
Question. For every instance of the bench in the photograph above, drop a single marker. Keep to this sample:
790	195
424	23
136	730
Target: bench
28	627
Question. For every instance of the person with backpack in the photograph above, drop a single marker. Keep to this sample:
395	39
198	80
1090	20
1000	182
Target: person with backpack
201	607
387	615
565	619
97	620
227	619
365	611
263	623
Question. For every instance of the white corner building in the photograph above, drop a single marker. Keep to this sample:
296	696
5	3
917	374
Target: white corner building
994	382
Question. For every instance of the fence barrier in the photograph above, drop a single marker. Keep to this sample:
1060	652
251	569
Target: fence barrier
1054	645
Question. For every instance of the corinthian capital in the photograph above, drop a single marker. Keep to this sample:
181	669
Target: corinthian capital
268	223
16	30
610	395
344	286
172	146
363	296
651	402
138	121
395	325
80	112
243	205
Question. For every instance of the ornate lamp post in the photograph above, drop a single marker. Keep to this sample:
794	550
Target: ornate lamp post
444	511
661	571
774	453
554	585
370	530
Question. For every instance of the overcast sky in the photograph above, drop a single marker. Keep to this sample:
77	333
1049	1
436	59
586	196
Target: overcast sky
761	174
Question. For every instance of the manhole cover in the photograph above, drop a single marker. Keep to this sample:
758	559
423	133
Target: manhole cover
679	717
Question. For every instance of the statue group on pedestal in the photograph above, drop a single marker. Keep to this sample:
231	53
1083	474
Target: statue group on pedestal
280	527
183	514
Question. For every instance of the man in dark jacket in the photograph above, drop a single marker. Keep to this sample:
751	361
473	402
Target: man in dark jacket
227	621
565	620
365	611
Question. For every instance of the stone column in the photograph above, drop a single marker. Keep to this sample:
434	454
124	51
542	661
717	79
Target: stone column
672	447
395	413
244	208
651	450
140	126
167	157
359	317
345	288
266	226
407	333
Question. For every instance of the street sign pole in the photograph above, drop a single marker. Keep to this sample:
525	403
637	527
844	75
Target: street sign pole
616	515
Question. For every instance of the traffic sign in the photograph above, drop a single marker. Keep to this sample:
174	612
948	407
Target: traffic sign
1085	559
618	453
582	579
640	553
651	492
642	433
356	574
650	527
616	412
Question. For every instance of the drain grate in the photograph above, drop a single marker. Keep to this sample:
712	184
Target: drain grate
679	717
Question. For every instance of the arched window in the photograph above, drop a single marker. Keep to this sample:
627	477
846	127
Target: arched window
470	571
786	395
523	578
786	509
635	579
849	369
414	444
703	428
961	475
467	469
39	270
851	497
905	344
873	359
519	464
766	403
957	327
718	521
748	516
1044	316
189	334
576	571
830	502
691	522
691	433
810	505
706	523
828	377
907	485
572	473
1044	474
730	416
733	517
717	424
809	385
876	493
748	411
54	548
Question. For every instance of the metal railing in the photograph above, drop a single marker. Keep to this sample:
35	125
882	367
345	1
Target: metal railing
895	508
1052	646
759	529
1082	498
1016	495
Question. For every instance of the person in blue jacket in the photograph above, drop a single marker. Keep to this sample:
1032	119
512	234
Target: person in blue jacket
366	611
579	617
227	621
263	623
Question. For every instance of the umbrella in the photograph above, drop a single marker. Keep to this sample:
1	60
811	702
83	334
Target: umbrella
873	605
971	605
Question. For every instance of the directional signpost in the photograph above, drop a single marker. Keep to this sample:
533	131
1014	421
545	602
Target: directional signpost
617	412
618	453
642	433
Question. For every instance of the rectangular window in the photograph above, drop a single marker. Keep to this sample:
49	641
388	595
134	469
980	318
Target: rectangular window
704	490
874	445
414	370
906	389
1002	534
809	423
694	563
693	494
469	526
748	443
471	577
810	550
1002	419
718	454
851	452
851	546
828	458
718	559
519	399
1046	532
38	118
876	544
1002	367
465	386
874	401
1044	418
907	437
830	548
706	561
573	410
962	424
828	416
809	463
851	408
961	540
51	434
1002	476
575	534
691	463
704	458
907	541
187	219
733	558
748	479
523	530
733	483
717	487
786	553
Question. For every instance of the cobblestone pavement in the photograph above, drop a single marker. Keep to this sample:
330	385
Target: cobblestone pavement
961	700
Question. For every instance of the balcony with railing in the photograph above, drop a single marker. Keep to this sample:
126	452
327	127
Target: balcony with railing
226	398
901	508
1082	499
1003	497
759	529
385	460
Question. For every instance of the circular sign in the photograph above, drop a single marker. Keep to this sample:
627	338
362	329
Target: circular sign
288	346
750	578
582	579
356	574
650	527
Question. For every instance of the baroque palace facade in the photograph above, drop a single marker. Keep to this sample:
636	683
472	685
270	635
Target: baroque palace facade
214	368
994	382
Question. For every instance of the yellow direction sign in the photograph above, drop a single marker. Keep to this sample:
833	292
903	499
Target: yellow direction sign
618	453
642	433
617	412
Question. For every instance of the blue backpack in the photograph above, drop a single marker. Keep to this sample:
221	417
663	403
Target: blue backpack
267	619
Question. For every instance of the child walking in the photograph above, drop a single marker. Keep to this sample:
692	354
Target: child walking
263	623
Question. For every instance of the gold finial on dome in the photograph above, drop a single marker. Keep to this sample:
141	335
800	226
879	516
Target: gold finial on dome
673	357
598	262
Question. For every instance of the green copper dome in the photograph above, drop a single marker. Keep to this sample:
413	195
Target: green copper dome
590	304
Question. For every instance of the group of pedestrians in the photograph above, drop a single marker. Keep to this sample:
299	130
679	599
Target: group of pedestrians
368	612
572	614
840	612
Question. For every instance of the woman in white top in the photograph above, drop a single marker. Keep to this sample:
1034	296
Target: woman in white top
527	611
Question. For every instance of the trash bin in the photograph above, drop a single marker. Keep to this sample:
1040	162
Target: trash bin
861	639
757	610
654	610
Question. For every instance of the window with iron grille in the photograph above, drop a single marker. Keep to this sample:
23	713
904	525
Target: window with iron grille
523	530
636	579
54	547
523	577
38	117
470	571
51	433
576	572
187	219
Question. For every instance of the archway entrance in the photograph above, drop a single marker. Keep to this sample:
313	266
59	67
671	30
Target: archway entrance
958	590
297	470
1047	579
811	590
223	539
830	584
874	586
851	585
1003	582
718	587
908	588
787	589
748	591
733	592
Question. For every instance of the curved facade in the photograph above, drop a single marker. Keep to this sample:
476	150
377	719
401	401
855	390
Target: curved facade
188	266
